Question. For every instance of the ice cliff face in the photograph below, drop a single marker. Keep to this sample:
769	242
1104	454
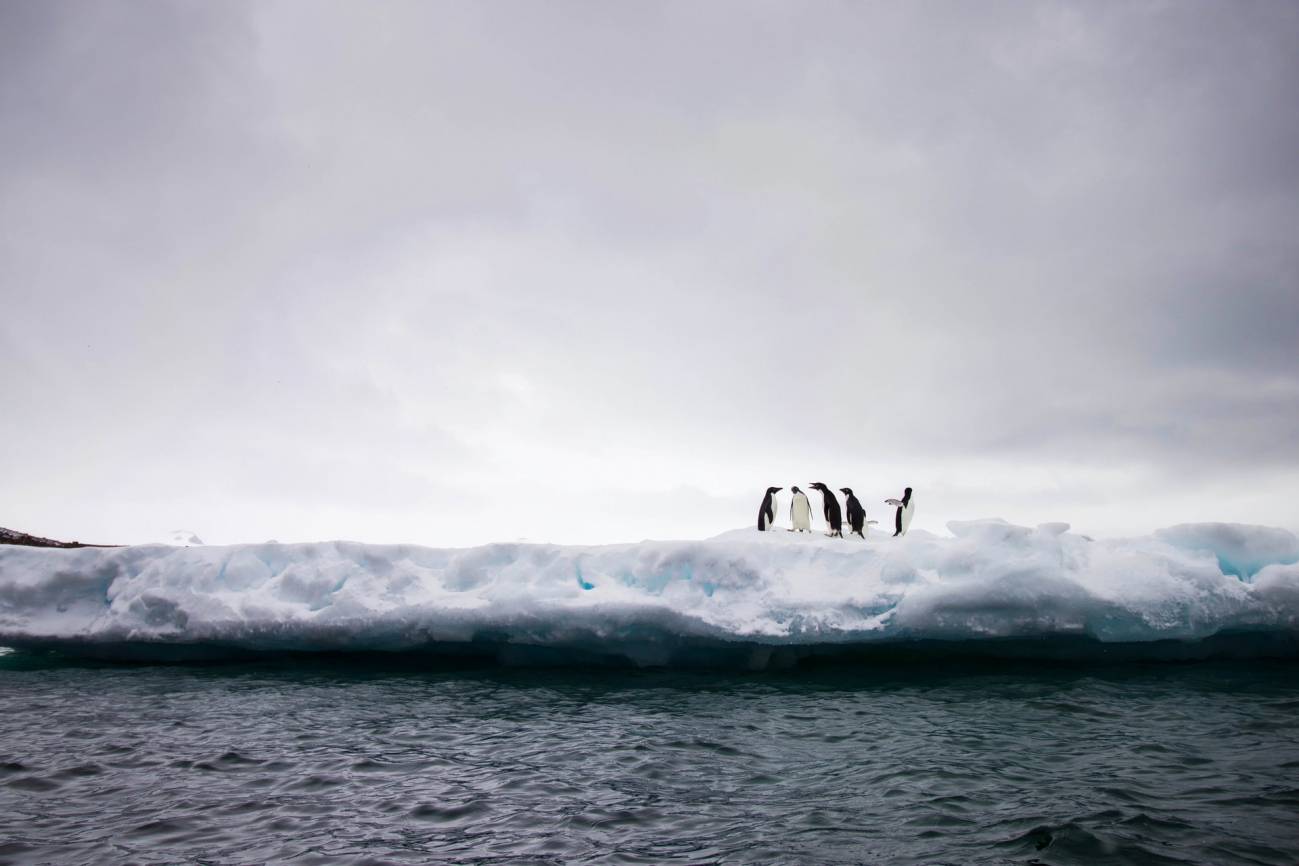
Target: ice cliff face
654	601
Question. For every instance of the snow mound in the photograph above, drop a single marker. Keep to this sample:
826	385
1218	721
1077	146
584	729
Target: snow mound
1240	550
178	538
756	597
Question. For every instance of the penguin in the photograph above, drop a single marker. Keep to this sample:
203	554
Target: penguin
800	512
767	510
830	504
856	514
905	506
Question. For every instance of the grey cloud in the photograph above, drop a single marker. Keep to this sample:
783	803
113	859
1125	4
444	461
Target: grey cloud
453	241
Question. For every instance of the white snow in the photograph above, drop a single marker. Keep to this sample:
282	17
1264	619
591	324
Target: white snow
178	538
989	579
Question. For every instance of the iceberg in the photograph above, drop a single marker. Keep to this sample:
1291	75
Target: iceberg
745	598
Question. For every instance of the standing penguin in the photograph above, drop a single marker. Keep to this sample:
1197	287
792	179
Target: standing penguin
856	514
767	510
830	504
905	506
800	512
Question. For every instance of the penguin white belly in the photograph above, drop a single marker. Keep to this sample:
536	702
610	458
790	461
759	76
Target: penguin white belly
907	511
801	513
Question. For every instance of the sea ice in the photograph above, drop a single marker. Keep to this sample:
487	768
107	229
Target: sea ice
653	602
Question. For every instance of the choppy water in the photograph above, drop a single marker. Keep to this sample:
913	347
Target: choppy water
340	763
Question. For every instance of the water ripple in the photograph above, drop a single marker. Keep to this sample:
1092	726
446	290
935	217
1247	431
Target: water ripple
355	765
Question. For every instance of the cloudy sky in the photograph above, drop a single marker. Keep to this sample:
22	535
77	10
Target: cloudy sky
452	272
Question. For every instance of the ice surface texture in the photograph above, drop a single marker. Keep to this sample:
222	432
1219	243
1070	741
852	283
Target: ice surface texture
745	595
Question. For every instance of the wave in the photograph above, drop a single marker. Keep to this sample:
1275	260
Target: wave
744	599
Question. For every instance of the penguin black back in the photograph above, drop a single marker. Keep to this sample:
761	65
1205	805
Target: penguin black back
897	517
767	510
856	514
830	507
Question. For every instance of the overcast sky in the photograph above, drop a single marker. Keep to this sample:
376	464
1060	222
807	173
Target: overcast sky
453	272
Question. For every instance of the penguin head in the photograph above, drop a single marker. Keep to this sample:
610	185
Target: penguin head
771	490
821	487
794	490
907	492
847	491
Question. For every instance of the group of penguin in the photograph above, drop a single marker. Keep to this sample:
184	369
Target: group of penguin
800	511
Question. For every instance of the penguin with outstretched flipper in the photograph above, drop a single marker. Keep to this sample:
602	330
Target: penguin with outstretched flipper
905	506
856	514
800	512
767	510
830	505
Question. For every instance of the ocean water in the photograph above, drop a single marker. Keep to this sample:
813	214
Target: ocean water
341	761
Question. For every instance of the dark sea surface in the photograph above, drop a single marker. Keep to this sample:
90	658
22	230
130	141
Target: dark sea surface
340	762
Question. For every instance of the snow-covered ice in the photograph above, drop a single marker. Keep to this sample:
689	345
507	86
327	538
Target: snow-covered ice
179	538
743	594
